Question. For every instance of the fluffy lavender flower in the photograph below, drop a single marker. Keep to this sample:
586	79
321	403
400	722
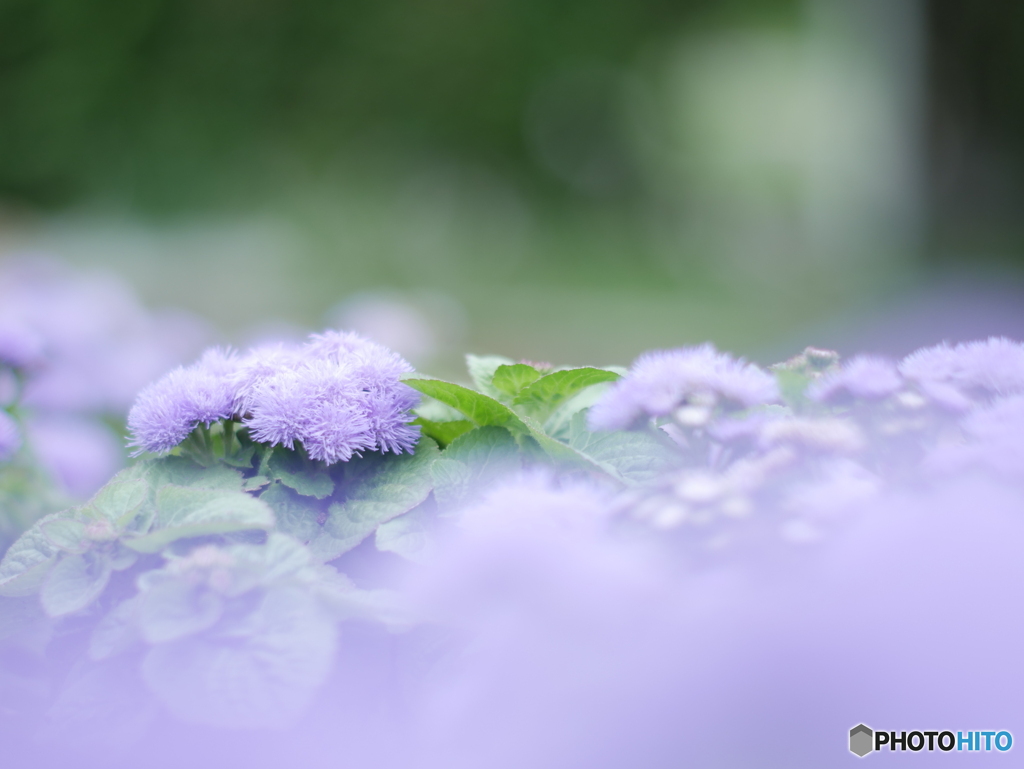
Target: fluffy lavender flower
388	412
336	346
949	374
344	398
315	404
10	436
168	410
336	429
865	376
661	381
375	371
257	367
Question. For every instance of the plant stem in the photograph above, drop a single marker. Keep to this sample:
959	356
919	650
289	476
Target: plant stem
229	432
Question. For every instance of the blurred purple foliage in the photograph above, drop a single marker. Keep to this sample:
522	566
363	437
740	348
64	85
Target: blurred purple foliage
83	345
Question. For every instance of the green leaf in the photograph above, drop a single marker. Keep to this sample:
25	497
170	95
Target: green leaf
27	561
192	512
508	380
557	425
308	478
172	609
383	487
255	671
182	471
489	453
636	457
74	583
66	534
119	501
435	411
481	370
472	462
451	481
443	432
540	399
480	409
295	515
407	535
255	483
242	457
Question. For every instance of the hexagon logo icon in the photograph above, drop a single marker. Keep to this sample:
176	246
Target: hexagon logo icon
862	740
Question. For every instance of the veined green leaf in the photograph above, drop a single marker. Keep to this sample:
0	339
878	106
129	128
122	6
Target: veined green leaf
74	583
481	371
192	512
310	480
182	471
443	432
386	487
479	408
451	481
473	461
509	379
635	457
28	561
540	399
488	452
119	501
407	535
557	425
66	534
435	411
295	514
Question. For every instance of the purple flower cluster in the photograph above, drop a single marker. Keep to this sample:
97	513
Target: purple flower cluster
956	376
81	345
660	382
337	395
864	376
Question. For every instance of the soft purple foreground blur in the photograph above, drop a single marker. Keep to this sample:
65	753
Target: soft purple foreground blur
559	638
556	644
86	346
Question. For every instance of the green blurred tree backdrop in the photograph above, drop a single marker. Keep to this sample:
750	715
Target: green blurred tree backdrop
181	103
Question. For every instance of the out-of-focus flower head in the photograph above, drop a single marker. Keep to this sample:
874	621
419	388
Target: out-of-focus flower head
169	409
662	381
955	376
87	341
865	376
993	441
79	452
10	436
20	346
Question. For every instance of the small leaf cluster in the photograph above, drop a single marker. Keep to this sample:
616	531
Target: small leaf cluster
521	413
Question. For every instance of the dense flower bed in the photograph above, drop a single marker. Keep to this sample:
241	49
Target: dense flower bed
695	561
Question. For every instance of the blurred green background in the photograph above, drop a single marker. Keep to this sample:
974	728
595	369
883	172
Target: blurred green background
573	181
